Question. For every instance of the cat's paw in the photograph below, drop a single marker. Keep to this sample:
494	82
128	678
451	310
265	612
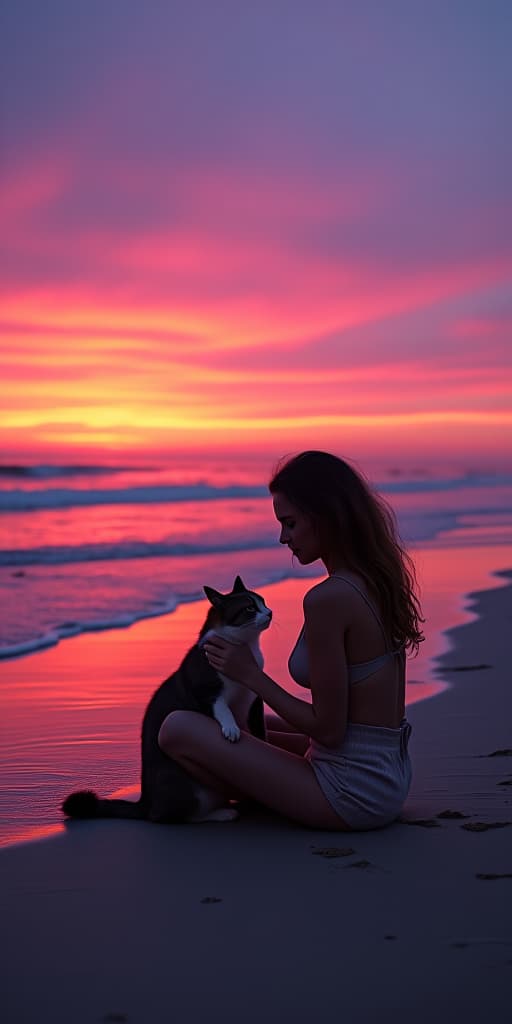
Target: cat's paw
224	814
231	732
219	814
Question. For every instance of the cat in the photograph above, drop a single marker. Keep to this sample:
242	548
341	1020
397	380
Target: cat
168	793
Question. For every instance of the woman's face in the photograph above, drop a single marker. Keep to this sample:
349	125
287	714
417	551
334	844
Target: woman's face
297	530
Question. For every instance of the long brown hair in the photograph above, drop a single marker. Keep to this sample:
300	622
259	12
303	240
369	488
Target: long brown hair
356	524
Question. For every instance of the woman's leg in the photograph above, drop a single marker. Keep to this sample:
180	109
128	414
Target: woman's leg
295	742
283	781
281	734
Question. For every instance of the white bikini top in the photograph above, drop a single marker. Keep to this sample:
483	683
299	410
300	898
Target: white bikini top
298	662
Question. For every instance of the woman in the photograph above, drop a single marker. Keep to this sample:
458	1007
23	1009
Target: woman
341	761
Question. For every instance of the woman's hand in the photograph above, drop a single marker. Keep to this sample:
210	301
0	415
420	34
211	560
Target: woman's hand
234	660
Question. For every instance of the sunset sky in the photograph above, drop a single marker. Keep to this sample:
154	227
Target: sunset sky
231	225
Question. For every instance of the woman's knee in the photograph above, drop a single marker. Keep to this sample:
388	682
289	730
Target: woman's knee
174	729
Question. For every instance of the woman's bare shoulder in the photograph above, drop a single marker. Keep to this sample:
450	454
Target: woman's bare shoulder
324	595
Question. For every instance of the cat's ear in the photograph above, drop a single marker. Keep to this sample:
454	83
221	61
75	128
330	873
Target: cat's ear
214	597
238	585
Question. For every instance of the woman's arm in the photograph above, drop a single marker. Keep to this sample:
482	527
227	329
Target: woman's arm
324	720
299	713
236	661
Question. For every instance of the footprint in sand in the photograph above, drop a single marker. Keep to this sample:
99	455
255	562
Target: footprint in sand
464	668
342	851
491	878
362	864
424	822
333	851
452	814
484	826
480	942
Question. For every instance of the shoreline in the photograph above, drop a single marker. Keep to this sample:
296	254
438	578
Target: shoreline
86	698
268	920
475	670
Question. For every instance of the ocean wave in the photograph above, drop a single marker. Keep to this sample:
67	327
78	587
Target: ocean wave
437	485
67	630
147	598
49	472
101	552
25	500
415	528
19	500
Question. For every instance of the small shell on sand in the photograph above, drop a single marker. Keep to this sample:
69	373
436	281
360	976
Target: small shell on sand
333	851
424	822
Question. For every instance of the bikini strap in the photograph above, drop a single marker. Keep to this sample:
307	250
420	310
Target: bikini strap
368	603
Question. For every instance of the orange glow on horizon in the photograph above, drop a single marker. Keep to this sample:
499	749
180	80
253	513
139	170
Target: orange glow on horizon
216	331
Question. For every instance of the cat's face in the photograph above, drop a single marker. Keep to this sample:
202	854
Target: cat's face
242	613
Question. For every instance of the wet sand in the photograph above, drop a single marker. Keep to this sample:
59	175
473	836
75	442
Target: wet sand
264	920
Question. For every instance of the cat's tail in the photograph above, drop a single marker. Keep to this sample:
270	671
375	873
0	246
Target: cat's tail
85	804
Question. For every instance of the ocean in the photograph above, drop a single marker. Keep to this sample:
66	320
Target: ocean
88	548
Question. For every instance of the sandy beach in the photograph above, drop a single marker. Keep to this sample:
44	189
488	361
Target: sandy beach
262	920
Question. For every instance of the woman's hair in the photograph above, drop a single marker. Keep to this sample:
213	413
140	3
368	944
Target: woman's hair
356	524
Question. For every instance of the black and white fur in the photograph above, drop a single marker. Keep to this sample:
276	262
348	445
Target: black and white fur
168	793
